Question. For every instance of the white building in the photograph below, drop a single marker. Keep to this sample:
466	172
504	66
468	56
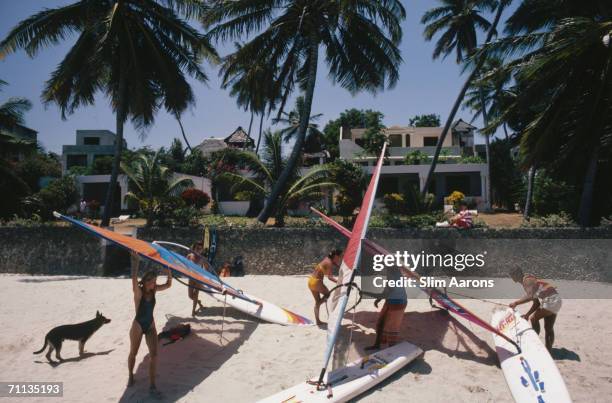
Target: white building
451	173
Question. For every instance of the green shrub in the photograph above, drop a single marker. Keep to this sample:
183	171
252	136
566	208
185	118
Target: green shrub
550	221
416	157
417	203
58	196
345	205
424	220
188	216
471	159
394	202
102	165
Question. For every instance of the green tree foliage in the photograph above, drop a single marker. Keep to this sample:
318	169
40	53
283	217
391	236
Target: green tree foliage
138	53
102	166
265	170
360	40
59	195
32	168
506	177
430	120
350	118
567	69
351	184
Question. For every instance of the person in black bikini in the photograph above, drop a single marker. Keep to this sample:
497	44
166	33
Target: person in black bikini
143	324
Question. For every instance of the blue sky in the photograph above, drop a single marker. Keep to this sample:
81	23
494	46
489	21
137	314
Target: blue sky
425	86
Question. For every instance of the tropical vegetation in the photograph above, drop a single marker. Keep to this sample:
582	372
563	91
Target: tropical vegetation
264	172
137	53
360	40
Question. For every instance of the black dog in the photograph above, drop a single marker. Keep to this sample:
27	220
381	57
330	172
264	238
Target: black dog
80	331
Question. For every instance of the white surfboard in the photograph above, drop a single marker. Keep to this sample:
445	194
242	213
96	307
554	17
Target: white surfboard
354	379
263	310
531	374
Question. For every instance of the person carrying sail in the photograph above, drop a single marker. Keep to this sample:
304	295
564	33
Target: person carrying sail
316	286
546	303
192	290
391	315
144	324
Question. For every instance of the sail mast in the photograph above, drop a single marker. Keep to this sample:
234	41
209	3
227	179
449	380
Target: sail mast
349	263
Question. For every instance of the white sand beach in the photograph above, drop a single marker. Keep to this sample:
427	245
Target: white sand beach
257	359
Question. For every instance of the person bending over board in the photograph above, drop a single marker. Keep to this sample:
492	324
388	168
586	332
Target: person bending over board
546	303
391	315
193	289
144	324
315	282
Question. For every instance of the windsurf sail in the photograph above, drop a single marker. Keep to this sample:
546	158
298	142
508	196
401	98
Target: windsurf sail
440	297
350	260
158	254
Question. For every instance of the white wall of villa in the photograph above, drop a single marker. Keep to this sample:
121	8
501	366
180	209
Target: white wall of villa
396	176
85	182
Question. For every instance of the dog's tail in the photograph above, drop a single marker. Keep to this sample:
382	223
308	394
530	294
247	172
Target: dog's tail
43	347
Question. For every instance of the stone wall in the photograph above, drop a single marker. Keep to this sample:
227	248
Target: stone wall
556	253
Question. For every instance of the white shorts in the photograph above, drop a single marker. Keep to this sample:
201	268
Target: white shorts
552	303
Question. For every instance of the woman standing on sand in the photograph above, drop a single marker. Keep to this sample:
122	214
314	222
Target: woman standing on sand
193	289
546	303
144	324
315	282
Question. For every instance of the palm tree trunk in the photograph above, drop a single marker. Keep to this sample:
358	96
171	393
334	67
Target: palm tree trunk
588	189
178	119
260	127
485	118
466	85
529	197
281	183
112	184
250	123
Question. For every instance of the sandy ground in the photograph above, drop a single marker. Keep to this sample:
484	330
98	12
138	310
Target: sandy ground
254	360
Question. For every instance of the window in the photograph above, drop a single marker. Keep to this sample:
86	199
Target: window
91	141
430	141
395	140
460	183
388	184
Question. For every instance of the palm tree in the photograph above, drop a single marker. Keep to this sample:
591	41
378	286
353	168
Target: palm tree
571	74
136	52
251	84
12	113
291	121
359	37
490	93
265	172
460	18
152	184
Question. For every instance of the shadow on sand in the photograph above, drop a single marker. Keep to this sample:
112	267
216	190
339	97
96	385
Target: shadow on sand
183	365
432	330
86	355
560	354
52	279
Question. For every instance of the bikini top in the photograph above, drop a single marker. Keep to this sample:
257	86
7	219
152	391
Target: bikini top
544	288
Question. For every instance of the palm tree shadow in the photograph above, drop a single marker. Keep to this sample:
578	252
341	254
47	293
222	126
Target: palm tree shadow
86	355
183	365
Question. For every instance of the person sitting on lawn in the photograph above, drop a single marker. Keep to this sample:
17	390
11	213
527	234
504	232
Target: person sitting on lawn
463	219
